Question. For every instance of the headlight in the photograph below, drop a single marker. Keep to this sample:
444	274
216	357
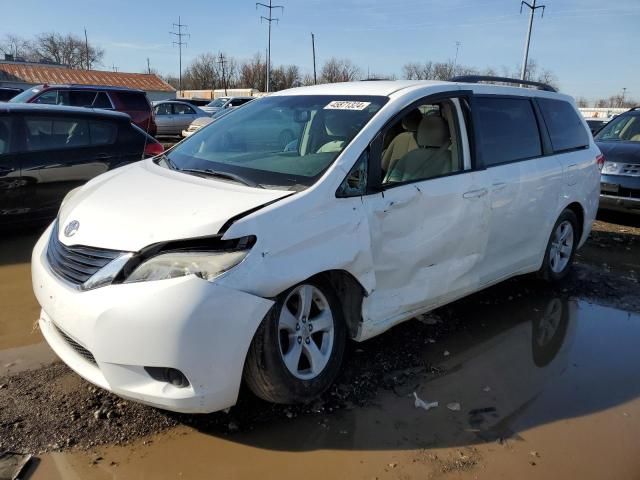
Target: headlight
206	265
610	167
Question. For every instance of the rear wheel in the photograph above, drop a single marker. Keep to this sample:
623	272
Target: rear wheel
298	348
561	248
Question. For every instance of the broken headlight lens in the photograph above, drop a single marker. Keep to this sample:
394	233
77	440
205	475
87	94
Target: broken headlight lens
206	265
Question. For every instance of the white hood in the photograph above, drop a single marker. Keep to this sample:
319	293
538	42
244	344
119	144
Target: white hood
135	206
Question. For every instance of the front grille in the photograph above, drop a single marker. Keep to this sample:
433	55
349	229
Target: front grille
79	349
630	169
76	264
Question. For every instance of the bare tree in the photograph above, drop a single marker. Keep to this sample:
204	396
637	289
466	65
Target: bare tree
201	74
69	50
252	73
285	77
339	70
16	46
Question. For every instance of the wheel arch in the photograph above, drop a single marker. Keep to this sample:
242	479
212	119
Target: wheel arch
350	292
579	212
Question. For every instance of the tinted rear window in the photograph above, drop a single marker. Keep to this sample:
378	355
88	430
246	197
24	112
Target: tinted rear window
52	133
508	130
565	127
133	100
103	133
5	135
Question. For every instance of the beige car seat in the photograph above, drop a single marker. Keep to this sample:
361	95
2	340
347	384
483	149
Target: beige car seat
432	158
338	127
404	142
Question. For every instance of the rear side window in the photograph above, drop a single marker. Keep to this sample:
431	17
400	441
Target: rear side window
103	133
5	135
51	133
49	97
133	100
508	130
82	98
102	101
565	127
182	109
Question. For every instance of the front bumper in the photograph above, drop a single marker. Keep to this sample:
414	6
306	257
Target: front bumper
200	328
620	192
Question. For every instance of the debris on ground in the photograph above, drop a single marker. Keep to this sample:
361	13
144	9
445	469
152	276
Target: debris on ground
454	406
419	403
12	464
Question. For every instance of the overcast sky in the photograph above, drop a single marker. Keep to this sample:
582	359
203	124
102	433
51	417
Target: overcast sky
590	45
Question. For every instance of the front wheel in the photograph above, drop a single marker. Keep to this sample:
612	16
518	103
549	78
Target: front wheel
297	350
561	248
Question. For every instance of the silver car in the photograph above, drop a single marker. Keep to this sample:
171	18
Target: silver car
172	117
222	103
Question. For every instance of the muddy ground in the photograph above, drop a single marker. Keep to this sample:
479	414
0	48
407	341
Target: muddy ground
506	356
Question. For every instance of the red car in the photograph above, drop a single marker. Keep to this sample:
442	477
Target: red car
127	100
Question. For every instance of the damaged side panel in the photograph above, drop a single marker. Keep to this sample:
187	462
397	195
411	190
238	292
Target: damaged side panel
300	237
427	241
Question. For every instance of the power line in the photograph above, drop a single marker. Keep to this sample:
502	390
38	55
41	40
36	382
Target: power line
455	61
179	35
221	60
270	19
313	47
532	7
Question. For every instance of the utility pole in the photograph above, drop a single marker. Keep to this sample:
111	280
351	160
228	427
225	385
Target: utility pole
313	47
532	7
624	94
179	35
114	68
86	49
148	66
270	19
455	61
221	60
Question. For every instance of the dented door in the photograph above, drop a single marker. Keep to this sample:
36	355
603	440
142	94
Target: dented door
427	239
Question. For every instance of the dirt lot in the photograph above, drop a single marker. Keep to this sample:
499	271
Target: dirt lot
532	382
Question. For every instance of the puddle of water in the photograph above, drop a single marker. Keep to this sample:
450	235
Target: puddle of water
553	381
18	307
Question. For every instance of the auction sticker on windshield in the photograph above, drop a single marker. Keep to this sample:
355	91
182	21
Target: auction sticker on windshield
346	105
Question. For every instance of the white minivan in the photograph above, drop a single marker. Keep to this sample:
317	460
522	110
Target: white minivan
239	256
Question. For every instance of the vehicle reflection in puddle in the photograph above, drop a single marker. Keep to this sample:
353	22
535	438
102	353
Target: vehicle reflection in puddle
514	367
19	309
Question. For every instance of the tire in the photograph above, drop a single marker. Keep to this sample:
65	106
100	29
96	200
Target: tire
286	333
549	332
557	257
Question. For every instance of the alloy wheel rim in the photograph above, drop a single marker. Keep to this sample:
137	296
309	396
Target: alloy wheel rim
306	332
561	247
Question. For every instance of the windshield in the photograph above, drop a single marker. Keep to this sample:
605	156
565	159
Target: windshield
279	141
218	102
24	96
625	128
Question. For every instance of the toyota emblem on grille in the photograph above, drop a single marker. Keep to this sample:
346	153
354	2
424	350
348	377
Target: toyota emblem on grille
71	228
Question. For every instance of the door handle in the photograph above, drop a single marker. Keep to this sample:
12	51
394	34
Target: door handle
497	186
481	192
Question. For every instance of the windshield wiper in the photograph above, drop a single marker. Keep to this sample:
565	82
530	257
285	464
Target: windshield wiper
229	176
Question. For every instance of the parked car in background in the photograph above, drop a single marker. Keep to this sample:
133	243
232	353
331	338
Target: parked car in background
172	116
7	93
201	122
232	257
619	141
127	100
596	124
222	103
198	102
196	125
46	151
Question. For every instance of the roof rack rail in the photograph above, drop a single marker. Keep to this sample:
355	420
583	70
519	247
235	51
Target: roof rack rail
488	78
